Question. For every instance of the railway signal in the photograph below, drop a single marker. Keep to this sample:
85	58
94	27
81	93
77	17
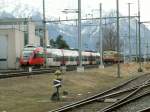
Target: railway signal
57	84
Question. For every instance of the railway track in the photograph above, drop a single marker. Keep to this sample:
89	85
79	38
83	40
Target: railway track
145	110
117	95
25	73
139	92
19	73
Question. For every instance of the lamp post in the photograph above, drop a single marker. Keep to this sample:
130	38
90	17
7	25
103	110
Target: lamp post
118	64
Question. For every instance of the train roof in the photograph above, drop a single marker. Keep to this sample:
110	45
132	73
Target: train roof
33	49
70	53
28	49
110	52
86	53
57	52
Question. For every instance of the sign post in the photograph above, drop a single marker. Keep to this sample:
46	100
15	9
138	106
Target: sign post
57	84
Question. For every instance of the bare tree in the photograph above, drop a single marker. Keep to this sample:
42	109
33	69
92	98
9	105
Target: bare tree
110	33
109	38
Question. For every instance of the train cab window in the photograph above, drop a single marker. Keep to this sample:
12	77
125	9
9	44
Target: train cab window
27	53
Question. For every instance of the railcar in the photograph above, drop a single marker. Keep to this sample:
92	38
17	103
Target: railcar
111	57
93	58
32	56
70	57
54	57
98	57
86	58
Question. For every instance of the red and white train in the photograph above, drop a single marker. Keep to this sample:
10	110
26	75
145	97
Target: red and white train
34	56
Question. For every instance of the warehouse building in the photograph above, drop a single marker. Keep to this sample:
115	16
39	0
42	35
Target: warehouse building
14	35
11	44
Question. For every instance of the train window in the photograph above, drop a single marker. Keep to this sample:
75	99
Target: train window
49	55
54	59
58	58
88	58
93	58
84	58
65	58
71	58
76	58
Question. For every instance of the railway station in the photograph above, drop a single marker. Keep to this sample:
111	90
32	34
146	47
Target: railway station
74	56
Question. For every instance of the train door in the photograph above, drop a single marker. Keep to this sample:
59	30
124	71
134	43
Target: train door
3	52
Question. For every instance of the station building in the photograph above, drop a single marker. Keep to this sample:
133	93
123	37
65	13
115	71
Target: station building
14	35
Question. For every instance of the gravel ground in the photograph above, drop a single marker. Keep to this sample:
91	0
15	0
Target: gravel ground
23	94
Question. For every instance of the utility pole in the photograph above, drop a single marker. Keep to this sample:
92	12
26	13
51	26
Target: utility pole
44	33
101	38
118	50
147	51
80	68
124	50
139	34
130	58
136	28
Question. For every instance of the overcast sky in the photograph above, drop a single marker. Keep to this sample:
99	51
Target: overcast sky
54	7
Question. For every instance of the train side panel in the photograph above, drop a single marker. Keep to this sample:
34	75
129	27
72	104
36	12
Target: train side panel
54	57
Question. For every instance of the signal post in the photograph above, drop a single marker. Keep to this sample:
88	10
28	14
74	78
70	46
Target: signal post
57	84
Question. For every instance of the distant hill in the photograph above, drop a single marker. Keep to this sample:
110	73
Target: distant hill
90	31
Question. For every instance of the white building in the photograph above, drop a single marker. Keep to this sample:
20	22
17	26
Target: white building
11	44
14	35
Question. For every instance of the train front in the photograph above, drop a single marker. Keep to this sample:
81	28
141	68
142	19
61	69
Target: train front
26	57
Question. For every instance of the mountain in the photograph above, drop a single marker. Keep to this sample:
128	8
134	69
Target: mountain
17	10
90	30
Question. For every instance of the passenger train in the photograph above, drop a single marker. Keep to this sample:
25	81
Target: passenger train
35	56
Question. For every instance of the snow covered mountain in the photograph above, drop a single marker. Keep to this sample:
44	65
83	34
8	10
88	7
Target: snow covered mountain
90	32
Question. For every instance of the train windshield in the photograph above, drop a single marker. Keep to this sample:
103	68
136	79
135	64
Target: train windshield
27	53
